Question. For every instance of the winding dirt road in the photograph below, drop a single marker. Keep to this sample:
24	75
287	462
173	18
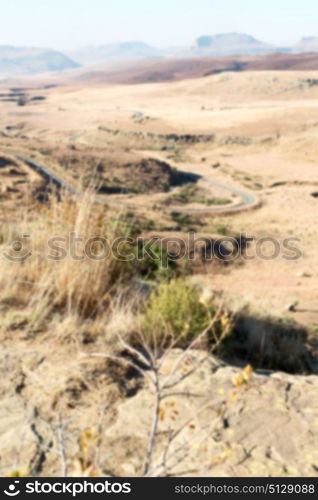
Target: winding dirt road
247	200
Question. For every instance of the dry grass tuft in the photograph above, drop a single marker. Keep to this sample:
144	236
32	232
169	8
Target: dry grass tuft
60	276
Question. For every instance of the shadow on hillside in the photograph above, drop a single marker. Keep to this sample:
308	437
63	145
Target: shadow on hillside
270	344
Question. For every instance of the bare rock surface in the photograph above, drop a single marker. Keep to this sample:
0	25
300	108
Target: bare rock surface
218	420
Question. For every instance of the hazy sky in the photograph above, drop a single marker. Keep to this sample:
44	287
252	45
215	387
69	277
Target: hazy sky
74	23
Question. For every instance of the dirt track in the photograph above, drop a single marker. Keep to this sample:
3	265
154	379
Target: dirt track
248	200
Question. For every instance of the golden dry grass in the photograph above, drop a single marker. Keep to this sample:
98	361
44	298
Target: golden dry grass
68	280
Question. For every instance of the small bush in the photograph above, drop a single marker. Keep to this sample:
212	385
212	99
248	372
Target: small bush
175	312
186	194
222	230
185	222
214	201
191	193
156	264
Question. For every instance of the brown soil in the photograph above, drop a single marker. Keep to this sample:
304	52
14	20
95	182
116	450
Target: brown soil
116	172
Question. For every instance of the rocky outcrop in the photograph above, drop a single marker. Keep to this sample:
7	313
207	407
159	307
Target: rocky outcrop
218	420
226	425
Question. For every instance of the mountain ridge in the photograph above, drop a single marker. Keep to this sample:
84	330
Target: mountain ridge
32	60
16	61
230	44
217	45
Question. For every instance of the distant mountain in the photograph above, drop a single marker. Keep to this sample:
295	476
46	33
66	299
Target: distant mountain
307	44
230	44
29	61
114	52
216	45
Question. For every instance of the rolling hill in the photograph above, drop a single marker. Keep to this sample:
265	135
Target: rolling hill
29	61
114	52
230	44
154	70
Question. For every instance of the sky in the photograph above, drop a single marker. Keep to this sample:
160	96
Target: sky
65	24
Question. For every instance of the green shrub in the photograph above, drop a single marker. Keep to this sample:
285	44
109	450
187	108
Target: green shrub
185	222
175	311
186	194
214	201
155	262
223	230
192	193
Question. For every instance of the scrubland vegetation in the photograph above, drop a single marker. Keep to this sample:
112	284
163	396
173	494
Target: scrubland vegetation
118	357
77	259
